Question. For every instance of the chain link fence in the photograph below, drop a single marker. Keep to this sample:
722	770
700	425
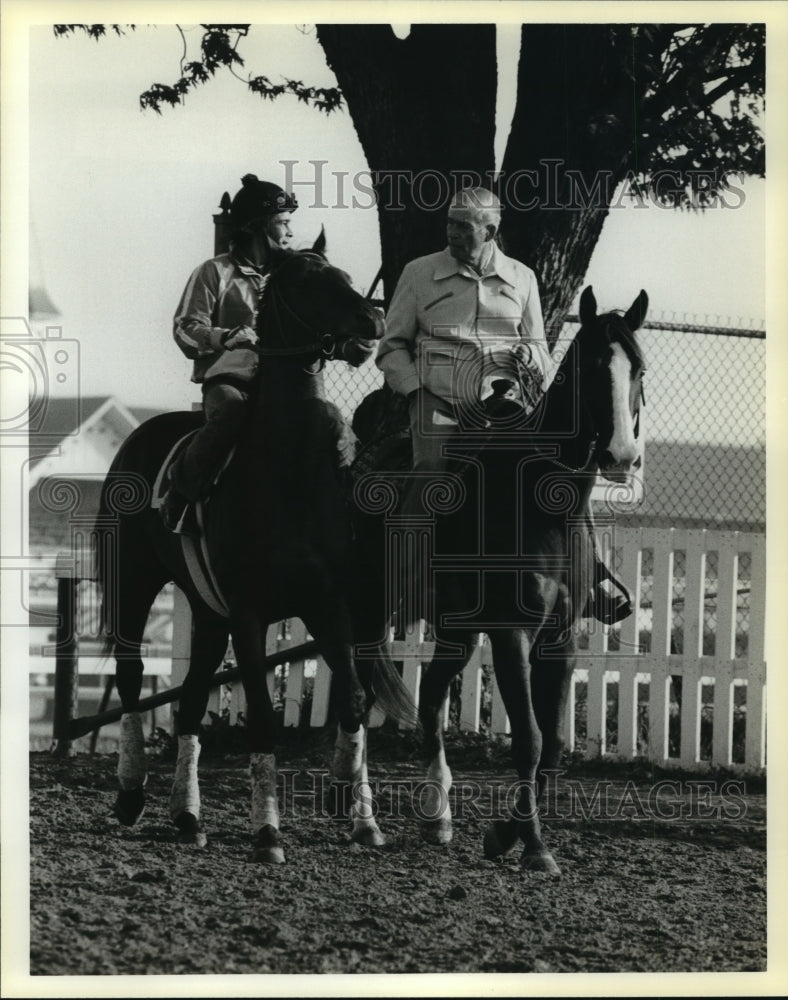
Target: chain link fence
704	422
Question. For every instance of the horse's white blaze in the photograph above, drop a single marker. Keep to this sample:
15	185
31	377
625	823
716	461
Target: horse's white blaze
623	446
185	794
434	803
131	752
265	809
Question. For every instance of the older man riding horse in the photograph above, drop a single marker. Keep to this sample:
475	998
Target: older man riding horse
504	548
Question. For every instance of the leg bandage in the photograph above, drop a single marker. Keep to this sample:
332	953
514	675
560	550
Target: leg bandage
435	802
185	794
348	754
265	810
131	752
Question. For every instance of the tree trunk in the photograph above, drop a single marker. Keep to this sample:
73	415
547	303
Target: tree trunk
574	128
424	111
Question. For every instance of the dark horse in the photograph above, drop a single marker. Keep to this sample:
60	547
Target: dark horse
505	549
279	538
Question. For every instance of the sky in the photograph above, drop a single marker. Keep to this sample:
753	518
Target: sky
121	200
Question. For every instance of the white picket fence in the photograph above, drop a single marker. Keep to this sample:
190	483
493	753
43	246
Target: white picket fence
700	599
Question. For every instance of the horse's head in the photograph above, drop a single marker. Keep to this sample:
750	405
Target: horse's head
310	310
611	369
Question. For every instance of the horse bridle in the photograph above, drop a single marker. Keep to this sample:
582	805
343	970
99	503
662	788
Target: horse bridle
594	440
324	342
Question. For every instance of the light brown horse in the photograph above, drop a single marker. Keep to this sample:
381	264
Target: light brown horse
504	549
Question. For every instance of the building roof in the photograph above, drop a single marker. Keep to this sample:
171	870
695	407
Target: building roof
61	415
703	485
62	426
143	413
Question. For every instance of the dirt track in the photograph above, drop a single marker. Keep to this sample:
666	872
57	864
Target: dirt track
639	892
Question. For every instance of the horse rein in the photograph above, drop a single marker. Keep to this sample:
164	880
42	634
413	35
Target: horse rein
588	462
326	343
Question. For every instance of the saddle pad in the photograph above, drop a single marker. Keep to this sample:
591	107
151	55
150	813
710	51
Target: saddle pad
162	482
195	550
195	553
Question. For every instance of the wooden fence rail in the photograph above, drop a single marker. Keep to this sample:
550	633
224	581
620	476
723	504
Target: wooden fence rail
682	681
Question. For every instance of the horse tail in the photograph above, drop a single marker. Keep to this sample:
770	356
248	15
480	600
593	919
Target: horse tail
371	607
391	694
373	659
104	533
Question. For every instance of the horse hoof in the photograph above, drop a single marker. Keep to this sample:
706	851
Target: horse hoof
129	805
500	839
268	856
540	861
438	831
267	849
189	832
368	836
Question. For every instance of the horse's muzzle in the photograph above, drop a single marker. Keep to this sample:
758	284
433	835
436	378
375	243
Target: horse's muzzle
617	472
357	351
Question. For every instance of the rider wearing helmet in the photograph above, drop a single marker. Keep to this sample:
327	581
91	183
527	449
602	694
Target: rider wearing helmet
214	326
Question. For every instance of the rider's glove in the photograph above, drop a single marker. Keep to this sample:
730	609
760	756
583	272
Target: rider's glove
239	336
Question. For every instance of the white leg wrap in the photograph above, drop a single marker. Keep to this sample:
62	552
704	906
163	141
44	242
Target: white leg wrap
265	810
434	802
349	754
185	794
131	752
363	812
350	765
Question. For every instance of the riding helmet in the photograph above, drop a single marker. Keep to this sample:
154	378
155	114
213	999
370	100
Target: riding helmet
256	200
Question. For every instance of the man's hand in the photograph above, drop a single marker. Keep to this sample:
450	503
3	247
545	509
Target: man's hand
523	354
530	377
240	336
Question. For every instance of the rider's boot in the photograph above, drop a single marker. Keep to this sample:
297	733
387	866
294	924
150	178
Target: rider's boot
609	600
178	514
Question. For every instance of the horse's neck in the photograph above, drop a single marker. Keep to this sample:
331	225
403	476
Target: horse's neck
284	418
286	382
563	422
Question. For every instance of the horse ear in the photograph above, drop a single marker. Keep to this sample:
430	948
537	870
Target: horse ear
319	246
636	313
587	306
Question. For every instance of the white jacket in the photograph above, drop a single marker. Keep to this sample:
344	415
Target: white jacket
451	331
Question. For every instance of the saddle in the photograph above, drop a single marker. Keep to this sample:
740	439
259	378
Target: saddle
193	544
191	521
162	481
393	453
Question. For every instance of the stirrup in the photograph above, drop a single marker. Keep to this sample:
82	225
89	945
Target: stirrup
608	608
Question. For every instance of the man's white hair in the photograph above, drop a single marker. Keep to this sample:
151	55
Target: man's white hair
483	201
